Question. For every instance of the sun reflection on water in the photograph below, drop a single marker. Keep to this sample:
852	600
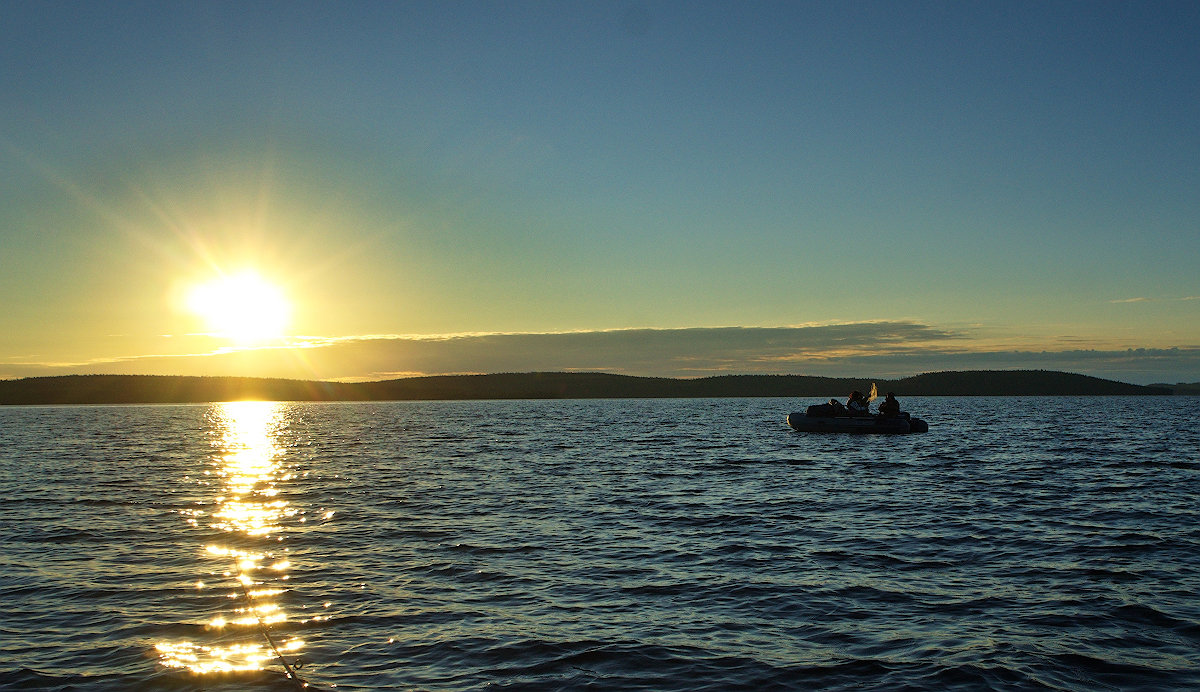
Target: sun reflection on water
249	507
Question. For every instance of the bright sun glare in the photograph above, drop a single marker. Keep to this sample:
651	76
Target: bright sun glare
241	307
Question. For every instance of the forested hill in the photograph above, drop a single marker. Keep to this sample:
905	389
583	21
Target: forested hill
1014	383
129	389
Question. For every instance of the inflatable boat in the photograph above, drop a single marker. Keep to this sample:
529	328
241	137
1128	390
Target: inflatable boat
824	418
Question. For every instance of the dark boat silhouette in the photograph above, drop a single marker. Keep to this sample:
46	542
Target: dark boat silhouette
826	418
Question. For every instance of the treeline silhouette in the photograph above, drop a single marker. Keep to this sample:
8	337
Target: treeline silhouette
1188	388
150	389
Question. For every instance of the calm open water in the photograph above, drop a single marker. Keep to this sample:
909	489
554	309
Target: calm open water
1029	543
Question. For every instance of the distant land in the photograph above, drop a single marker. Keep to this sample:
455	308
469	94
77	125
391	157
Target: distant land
151	389
1190	388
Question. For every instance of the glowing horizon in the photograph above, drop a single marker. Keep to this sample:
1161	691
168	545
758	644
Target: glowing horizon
876	349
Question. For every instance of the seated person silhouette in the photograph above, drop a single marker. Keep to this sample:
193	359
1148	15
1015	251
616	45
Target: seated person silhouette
890	408
858	404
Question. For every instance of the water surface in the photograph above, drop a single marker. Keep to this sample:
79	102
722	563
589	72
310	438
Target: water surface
1030	543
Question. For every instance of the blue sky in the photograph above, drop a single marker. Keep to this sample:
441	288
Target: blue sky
868	189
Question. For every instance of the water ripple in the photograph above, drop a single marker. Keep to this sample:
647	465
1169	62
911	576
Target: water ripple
639	545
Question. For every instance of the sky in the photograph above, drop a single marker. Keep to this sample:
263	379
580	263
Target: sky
865	189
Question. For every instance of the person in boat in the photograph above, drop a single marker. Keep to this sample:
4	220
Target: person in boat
836	407
858	404
890	408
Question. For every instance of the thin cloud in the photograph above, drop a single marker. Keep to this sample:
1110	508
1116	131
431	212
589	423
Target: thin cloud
1154	300
662	352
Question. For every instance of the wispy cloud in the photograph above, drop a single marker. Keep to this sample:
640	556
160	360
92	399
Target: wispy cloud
1154	300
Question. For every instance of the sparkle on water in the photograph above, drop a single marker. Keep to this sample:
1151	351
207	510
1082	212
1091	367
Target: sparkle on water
246	460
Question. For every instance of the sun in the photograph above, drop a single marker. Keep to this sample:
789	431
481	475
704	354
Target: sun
244	308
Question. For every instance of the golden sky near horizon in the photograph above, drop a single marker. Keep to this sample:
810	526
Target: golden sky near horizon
793	188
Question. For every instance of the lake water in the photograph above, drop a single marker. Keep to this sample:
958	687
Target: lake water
1029	543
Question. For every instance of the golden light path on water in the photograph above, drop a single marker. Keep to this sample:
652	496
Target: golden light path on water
250	511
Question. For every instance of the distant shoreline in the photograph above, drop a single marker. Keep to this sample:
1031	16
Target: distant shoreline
151	389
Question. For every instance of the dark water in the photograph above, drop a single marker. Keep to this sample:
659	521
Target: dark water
648	544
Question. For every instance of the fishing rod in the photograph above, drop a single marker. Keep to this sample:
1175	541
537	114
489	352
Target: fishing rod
289	670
